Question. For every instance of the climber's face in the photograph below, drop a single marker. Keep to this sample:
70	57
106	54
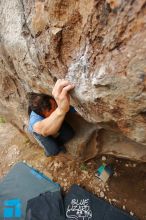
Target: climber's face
47	112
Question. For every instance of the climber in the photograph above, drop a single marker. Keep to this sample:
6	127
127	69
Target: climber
47	117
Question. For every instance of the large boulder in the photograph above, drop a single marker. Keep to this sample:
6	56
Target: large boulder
99	45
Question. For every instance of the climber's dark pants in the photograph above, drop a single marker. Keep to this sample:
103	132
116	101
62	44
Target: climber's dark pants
53	146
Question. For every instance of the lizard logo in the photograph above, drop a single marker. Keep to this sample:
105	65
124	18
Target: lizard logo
79	210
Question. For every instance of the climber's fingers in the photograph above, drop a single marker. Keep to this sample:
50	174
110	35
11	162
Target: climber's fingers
66	89
59	86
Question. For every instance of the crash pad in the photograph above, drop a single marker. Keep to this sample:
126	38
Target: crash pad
77	204
18	186
83	205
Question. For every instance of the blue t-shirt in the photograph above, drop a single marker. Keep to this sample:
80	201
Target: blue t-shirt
35	118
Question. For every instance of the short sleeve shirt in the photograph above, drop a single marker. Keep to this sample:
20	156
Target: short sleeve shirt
33	119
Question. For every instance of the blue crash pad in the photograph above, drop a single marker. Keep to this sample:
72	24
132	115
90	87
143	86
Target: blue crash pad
18	186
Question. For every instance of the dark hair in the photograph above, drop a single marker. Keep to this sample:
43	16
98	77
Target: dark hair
38	102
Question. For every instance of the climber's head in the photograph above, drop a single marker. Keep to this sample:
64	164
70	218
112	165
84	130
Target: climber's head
41	104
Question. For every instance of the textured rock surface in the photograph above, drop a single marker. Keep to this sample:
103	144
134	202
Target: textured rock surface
98	45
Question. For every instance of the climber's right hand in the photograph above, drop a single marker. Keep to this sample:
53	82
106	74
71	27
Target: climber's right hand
61	95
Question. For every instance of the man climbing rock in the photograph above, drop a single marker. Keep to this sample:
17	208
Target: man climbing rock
47	117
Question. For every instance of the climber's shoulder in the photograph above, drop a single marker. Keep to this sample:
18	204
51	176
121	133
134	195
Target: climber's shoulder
33	119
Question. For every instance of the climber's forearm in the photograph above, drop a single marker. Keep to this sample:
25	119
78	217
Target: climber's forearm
51	124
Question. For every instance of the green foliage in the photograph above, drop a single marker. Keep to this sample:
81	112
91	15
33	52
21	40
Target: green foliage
26	141
2	120
83	167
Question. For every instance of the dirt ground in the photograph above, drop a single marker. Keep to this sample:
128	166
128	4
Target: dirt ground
125	189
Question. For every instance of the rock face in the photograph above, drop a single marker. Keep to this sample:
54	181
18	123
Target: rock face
99	45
